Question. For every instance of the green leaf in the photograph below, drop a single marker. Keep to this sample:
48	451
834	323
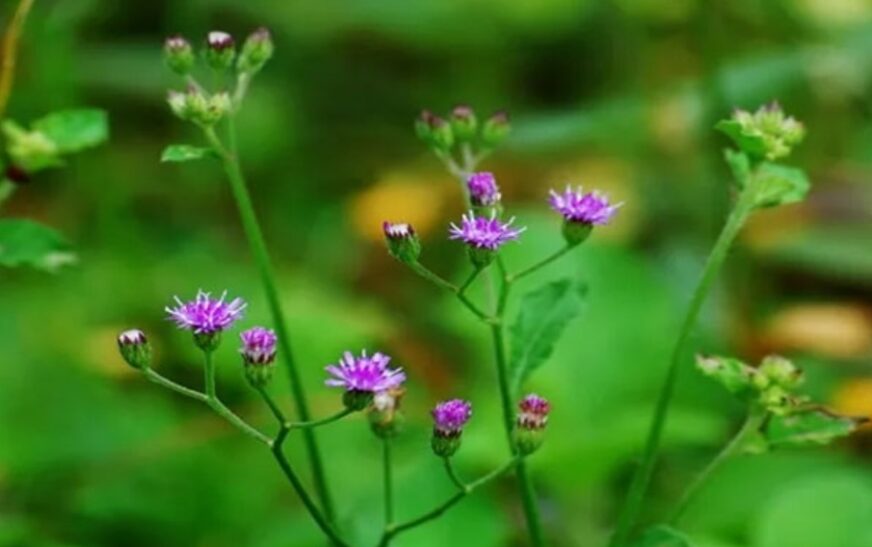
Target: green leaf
185	152
778	184
809	427
731	373
754	145
544	313
74	130
26	243
662	536
740	165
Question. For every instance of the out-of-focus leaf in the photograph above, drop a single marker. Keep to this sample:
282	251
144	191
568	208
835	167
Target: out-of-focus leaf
731	373
839	251
778	184
27	243
748	143
812	427
74	130
739	164
185	152
544	314
663	536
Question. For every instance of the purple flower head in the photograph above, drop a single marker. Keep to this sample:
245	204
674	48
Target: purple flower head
176	43
397	230
483	232
364	373
134	348
258	346
449	417
205	315
576	206
533	412
483	189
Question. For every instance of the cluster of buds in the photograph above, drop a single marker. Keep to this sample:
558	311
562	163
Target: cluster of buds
766	133
771	385
219	52
449	419
461	128
530	423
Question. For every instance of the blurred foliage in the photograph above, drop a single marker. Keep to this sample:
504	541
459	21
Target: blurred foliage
620	95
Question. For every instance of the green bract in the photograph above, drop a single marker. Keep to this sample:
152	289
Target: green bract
764	134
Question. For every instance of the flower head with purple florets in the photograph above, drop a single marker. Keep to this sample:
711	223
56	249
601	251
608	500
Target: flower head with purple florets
591	208
449	417
533	412
484	232
258	346
397	230
206	315
365	373
483	189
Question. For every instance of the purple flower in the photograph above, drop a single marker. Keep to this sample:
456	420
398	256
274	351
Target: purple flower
364	373
205	315
483	232
258	346
576	206
449	417
483	189
397	230
534	412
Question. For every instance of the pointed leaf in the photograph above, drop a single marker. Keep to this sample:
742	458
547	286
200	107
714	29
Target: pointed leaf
74	130
778	184
545	313
26	243
185	152
809	427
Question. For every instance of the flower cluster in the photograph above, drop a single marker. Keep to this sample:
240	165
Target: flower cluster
766	133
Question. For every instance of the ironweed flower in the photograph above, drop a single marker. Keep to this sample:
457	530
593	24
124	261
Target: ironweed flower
530	424
484	236
258	355
483	189
134	348
206	317
363	376
403	243
449	417
581	212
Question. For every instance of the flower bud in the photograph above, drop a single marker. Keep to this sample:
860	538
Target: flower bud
403	243
384	416
256	51
434	131
194	106
258	355
135	349
31	151
780	372
766	133
530	424
178	55
463	123
220	50
449	418
496	129
357	399
483	190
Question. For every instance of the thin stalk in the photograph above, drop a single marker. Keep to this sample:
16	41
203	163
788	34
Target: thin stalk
388	481
160	380
215	403
323	421
639	486
542	263
452	474
11	39
258	247
463	491
752	424
434	278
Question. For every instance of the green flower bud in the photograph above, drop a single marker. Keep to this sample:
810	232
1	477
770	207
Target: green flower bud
495	129
529	432
575	233
766	133
481	257
445	446
463	123
256	51
207	341
220	50
178	55
30	150
403	243
441	134
357	400
781	372
258	374
135	349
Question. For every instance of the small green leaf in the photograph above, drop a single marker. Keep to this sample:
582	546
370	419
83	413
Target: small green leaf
74	130
740	165
544	313
26	243
778	184
809	427
185	152
731	373
662	536
754	145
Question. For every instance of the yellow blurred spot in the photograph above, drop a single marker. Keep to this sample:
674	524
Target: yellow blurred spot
674	120
832	330
402	196
836	12
854	398
610	176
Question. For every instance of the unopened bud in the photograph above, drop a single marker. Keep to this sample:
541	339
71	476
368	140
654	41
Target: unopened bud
449	418
530	424
402	241
495	129
178	55
258	355
256	51
220	50
781	372
464	123
434	131
135	349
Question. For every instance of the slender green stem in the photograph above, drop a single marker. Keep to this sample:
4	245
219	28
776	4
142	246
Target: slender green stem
388	481
462	289
452	474
273	407
160	380
544	262
639	486
256	242
215	403
323	421
463	491
10	52
429	275
753	422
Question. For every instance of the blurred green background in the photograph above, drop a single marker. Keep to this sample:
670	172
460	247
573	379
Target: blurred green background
618	95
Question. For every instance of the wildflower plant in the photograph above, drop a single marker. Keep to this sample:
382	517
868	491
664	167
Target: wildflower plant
373	384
